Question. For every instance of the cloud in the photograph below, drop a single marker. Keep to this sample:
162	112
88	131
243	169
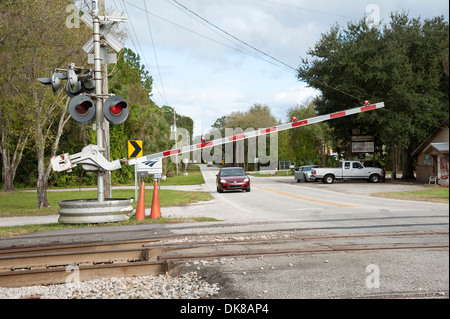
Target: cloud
206	74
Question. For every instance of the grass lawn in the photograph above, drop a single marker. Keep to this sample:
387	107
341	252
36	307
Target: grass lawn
277	173
194	177
26	229
435	194
24	203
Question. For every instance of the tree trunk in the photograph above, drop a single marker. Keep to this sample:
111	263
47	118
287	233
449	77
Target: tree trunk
407	165
394	162
42	181
8	178
43	169
10	164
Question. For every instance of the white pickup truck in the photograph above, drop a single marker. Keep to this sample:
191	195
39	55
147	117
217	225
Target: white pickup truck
349	170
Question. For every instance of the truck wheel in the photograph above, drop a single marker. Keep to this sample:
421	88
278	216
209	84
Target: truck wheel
328	179
374	178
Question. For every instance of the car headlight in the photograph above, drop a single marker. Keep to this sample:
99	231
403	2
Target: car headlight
223	181
246	180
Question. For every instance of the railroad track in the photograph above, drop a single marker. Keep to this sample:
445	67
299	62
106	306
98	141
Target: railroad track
57	264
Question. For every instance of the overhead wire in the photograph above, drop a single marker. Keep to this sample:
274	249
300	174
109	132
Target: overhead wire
206	37
124	9
154	52
234	37
262	52
271	60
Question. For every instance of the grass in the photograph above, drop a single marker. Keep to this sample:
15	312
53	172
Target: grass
194	177
26	229
435	194
24	203
277	173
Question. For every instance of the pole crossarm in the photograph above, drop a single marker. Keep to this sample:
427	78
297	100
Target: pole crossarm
255	133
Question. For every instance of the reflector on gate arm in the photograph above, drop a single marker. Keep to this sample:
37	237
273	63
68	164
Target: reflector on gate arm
269	130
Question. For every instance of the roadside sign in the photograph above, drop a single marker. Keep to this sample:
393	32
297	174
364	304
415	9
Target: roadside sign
134	148
151	166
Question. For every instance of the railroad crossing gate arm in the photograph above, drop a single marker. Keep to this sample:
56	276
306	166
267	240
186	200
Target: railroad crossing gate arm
90	158
260	132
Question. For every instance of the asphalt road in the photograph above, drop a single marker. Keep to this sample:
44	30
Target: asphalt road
340	209
281	200
278	204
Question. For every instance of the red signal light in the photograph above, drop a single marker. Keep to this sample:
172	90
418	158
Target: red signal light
294	119
116	109
83	108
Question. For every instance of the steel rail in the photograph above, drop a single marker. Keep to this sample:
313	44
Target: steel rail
24	267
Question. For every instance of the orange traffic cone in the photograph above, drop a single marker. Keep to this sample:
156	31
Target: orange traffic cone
140	209
156	209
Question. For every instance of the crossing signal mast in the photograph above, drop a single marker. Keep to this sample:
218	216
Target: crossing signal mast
88	104
84	87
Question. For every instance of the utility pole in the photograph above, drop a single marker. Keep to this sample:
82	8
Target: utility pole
98	92
106	140
176	137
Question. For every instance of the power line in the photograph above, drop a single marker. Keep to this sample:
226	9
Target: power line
209	38
310	10
262	52
124	8
237	39
278	63
154	52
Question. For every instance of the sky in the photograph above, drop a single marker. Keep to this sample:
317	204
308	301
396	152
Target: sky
209	58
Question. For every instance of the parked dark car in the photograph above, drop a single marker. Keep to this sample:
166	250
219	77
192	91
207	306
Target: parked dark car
303	174
232	178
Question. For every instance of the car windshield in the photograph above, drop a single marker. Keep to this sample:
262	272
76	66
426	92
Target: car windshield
233	172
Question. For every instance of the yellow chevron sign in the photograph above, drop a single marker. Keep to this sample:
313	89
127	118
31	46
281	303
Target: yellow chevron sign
134	148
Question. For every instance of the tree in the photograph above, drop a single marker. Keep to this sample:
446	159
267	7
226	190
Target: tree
33	50
305	145
257	116
400	64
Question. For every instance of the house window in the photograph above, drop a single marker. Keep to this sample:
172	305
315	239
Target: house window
427	160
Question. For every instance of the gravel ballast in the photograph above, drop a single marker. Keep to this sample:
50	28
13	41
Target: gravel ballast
186	286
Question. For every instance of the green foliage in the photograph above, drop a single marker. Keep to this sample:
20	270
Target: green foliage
400	64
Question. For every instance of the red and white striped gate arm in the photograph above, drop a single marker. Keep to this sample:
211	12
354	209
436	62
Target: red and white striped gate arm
260	132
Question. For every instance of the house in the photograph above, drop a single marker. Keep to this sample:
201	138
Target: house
432	156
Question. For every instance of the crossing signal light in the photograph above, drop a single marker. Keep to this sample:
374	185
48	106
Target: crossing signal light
82	109
116	110
77	84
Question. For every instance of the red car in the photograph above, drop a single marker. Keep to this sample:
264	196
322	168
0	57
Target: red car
231	178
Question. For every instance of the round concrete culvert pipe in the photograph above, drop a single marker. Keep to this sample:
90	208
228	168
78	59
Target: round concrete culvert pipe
91	211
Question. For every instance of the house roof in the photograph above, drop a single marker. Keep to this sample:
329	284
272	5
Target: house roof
439	147
424	143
